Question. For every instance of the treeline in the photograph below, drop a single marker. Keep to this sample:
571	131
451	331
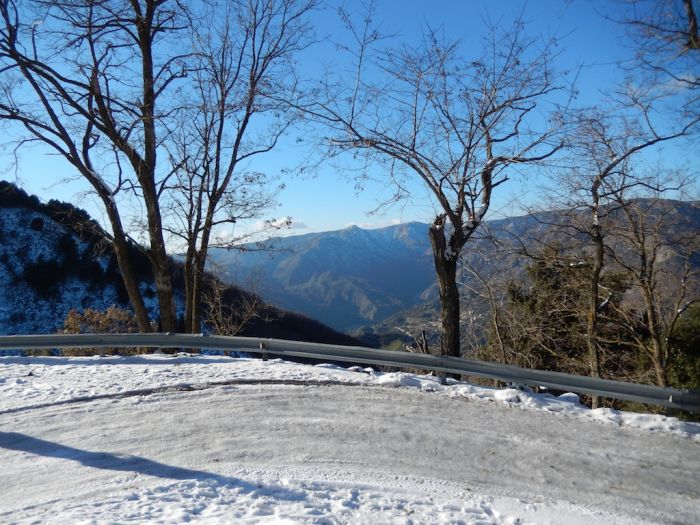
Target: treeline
68	215
542	324
47	274
633	315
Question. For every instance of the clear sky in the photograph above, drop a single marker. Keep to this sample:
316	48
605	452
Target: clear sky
328	199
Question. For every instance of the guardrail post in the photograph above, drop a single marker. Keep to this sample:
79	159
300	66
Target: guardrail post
263	351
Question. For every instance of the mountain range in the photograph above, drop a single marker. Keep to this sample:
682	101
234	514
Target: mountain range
370	281
365	283
349	278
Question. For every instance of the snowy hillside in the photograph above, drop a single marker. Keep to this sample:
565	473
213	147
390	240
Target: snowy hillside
211	439
46	270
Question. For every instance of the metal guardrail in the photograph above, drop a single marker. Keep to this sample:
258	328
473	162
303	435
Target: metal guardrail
673	398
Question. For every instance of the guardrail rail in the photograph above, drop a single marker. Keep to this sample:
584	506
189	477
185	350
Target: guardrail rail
688	400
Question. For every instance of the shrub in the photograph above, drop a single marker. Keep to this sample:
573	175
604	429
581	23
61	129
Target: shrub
90	270
684	351
17	317
13	197
75	219
109	321
67	249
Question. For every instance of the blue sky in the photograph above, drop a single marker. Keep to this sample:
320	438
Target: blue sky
328	200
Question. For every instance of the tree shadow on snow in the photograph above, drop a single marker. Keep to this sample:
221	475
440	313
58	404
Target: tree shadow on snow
129	463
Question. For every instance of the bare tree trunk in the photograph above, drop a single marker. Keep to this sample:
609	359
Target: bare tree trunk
121	251
159	263
496	323
188	279
194	275
655	333
194	279
168	319
594	300
195	322
646	281
145	169
446	269
198	273
197	291
195	264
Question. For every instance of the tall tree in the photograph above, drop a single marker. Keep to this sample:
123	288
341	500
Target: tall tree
603	148
90	80
242	81
457	125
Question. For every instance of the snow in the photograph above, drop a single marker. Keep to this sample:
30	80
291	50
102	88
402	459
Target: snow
212	439
22	310
38	380
105	187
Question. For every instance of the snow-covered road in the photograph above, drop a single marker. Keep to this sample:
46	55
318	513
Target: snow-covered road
329	454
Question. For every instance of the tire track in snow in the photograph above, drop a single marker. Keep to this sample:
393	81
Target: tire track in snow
187	387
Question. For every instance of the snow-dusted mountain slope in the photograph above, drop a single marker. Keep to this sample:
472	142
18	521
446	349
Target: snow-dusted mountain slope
348	278
46	270
97	440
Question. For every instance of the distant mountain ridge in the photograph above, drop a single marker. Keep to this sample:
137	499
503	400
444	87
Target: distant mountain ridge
54	257
347	277
354	278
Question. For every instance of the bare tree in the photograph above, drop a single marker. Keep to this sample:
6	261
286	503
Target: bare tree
491	292
228	310
603	148
89	79
459	126
243	76
646	249
663	29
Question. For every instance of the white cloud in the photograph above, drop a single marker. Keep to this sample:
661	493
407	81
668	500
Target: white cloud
281	224
383	223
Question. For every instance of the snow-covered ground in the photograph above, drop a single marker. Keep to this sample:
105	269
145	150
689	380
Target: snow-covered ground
213	439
